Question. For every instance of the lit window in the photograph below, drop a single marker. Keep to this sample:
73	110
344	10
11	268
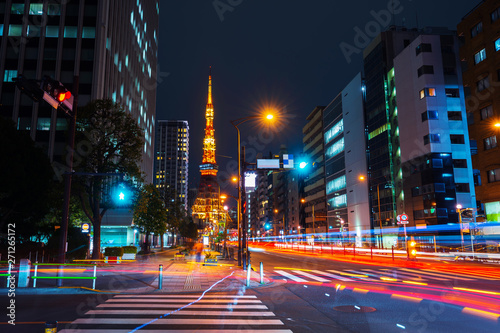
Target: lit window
430	115
490	142
70	32
336	185
17	8
88	32
334	131
426	92
478	28
486	112
497	45
494	175
1	29
479	56
36	9
9	75
15	30
52	31
335	149
432	138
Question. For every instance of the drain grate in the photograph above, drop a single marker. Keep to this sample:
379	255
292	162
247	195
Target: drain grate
354	308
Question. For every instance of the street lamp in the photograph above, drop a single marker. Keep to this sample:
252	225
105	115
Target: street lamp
242	238
459	211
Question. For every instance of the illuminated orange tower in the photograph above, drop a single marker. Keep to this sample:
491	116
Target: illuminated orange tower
207	210
209	166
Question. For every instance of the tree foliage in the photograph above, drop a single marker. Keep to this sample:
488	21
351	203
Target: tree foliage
108	140
26	177
149	212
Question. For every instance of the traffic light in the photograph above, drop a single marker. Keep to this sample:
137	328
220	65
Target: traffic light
121	195
412	249
55	89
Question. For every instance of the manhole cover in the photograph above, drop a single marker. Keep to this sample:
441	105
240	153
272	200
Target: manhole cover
354	308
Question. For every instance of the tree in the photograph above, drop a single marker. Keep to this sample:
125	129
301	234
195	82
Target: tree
177	217
111	142
26	177
149	213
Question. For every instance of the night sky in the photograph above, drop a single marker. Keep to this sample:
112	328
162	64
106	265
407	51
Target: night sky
284	54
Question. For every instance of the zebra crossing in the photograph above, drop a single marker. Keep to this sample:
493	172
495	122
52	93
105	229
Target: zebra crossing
184	312
367	274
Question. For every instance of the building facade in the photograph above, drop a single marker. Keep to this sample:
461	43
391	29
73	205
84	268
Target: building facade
346	172
434	148
480	57
172	158
110	45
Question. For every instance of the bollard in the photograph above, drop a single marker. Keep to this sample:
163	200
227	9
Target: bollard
93	284
392	252
160	278
261	273
249	270
34	277
51	327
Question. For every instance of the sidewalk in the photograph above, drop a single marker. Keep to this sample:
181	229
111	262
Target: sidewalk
179	276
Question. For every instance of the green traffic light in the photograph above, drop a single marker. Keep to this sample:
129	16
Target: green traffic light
302	165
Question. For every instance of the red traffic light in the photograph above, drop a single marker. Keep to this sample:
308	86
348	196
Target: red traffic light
62	96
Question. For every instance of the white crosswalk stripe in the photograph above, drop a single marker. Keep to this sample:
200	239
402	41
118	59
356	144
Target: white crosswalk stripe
291	276
370	274
162	313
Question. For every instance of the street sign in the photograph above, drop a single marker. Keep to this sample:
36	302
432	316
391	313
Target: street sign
402	219
85	228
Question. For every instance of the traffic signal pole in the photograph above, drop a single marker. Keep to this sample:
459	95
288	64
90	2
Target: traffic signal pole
67	183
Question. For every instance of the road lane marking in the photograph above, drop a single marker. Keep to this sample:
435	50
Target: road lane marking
290	276
481	313
253	314
78	330
398	275
174	321
314	277
406	298
193	306
451	275
166	301
333	276
185	296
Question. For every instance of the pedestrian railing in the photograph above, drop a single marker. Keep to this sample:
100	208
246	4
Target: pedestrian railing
35	277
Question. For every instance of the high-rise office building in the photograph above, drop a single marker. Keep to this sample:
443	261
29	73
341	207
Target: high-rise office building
314	182
419	152
346	174
110	45
480	54
172	158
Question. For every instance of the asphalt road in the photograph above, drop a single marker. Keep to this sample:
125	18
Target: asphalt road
309	294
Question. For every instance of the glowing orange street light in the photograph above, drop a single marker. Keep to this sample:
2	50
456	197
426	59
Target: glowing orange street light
269	116
497	125
275	210
361	177
234	179
303	200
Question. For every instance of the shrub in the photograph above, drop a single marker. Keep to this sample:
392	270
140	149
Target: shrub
113	252
209	255
129	249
